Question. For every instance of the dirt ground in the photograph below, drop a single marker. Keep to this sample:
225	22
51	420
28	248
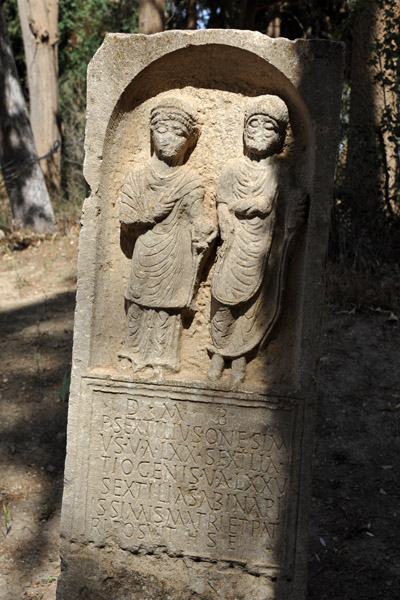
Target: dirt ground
354	549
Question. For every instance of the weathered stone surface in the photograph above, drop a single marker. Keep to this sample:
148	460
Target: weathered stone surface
210	156
162	216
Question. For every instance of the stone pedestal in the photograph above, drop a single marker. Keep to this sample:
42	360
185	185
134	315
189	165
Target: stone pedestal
210	157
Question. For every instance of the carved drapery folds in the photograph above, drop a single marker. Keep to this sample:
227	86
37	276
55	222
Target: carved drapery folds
246	291
162	208
162	205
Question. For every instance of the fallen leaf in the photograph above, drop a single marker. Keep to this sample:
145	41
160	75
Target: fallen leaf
382	491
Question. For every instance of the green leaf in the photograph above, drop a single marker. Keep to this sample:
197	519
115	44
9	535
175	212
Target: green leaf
64	390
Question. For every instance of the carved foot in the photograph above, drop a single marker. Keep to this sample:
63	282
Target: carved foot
216	367
238	371
157	374
125	363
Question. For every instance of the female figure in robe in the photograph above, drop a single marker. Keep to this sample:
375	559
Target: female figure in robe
162	205
247	280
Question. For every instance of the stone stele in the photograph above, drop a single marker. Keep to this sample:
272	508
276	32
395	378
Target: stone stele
210	158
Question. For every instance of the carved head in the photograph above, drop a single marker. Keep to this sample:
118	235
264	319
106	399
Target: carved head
173	128
265	122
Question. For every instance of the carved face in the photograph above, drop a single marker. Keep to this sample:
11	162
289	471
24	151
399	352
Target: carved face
262	135
170	138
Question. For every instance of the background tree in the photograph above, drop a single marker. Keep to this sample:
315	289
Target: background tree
371	185
22	175
151	16
191	14
82	27
39	23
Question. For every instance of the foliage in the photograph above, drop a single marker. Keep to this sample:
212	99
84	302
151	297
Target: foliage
10	8
220	13
65	385
326	19
175	14
303	18
357	235
82	27
366	217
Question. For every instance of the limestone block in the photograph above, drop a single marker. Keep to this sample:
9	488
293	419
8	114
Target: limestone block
210	157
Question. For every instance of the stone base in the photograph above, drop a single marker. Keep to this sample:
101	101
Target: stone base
186	493
111	574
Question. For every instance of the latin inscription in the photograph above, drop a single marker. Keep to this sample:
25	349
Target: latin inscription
196	478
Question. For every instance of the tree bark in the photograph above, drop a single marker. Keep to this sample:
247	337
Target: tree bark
274	27
371	163
191	14
24	181
151	16
39	22
362	181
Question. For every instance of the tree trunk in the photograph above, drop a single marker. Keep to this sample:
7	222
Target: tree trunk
274	27
249	10
39	22
151	16
25	184
362	165
371	163
387	99
191	14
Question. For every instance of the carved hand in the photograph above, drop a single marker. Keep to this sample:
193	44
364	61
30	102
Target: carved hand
203	236
128	217
162	209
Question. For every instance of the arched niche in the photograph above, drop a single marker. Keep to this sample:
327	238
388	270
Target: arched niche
218	79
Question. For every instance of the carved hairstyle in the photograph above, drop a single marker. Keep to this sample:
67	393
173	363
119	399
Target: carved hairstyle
175	109
270	105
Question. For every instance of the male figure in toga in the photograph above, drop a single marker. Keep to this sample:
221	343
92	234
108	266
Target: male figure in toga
244	306
161	204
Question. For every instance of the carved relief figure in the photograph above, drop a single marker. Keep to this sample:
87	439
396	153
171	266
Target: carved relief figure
249	277
161	205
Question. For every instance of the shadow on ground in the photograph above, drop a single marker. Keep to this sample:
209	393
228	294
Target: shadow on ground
355	525
35	354
354	542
